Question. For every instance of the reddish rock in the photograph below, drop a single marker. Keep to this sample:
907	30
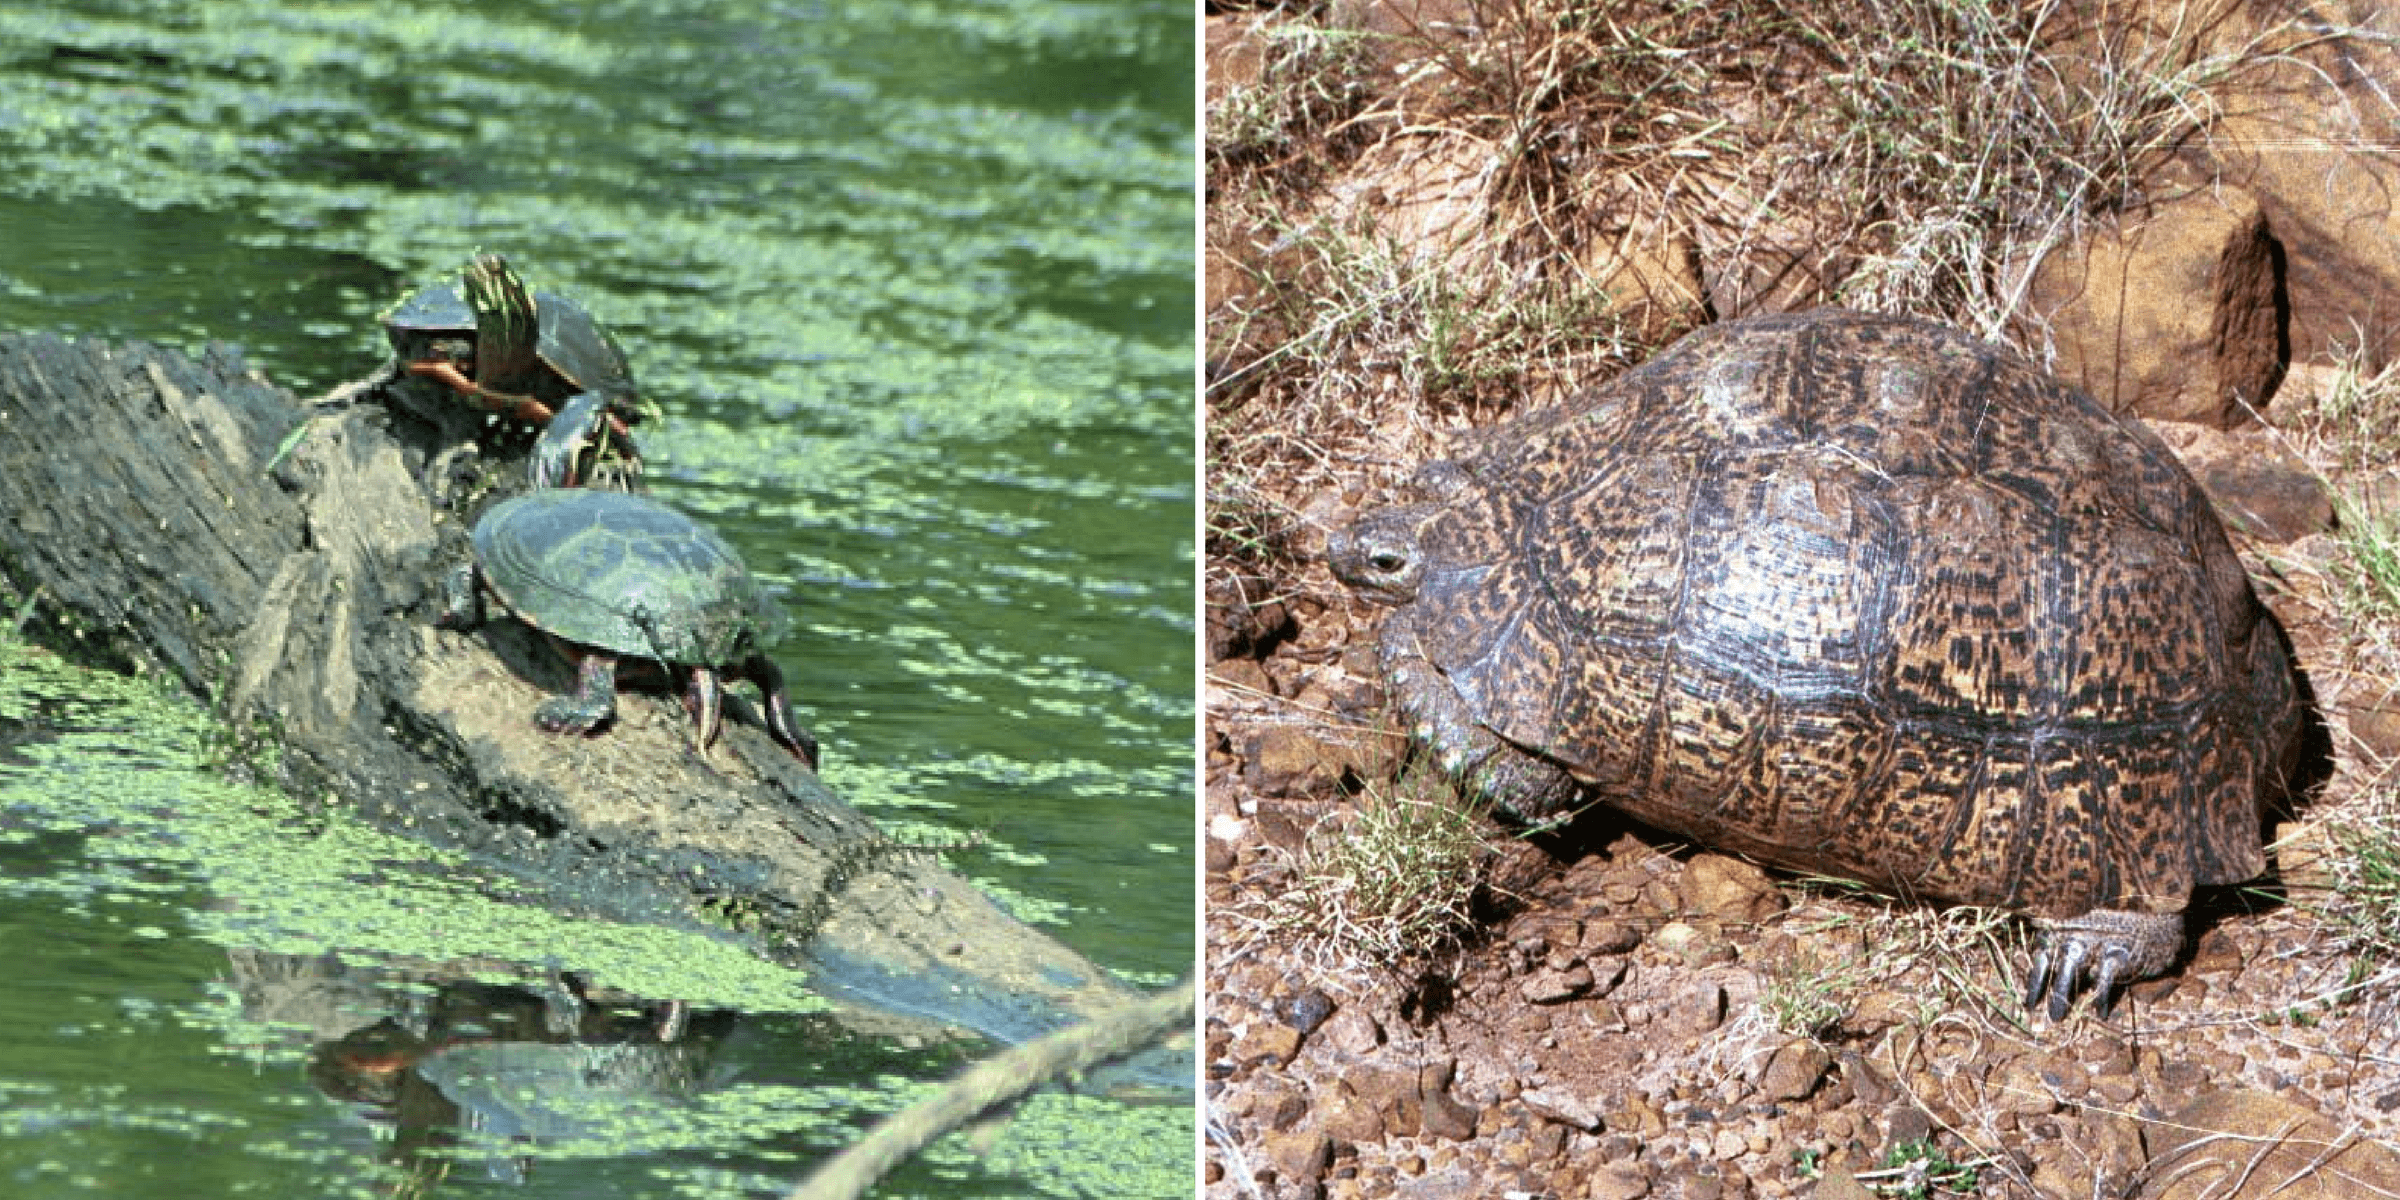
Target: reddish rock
1443	1116
1393	1093
1548	986
2248	1145
1299	1158
2171	311
1609	935
1346	1116
2258	486
1792	1073
1266	1041
1728	889
1619	1181
1298	760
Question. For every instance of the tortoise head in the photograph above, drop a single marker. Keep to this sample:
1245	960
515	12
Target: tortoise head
1382	557
1386	555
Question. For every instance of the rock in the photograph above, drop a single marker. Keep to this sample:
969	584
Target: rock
2171	311
2016	1087
1299	1158
1609	935
2257	486
1619	1181
1696	945
1351	1032
1443	1116
2376	724
1841	1182
1347	1117
2248	1145
1793	1071
1393	1093
1298	760
1904	1123
1563	1105
1240	675
1640	1117
1267	1042
1244	619
1272	1103
1883	1008
1305	1010
1695	1009
1728	889
1547	986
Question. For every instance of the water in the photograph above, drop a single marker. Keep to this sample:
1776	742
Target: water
912	284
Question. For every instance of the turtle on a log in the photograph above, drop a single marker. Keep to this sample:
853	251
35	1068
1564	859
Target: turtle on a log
154	523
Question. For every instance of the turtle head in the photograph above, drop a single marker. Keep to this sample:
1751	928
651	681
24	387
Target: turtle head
1382	557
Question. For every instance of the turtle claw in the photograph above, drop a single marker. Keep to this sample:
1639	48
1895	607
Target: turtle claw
593	702
582	432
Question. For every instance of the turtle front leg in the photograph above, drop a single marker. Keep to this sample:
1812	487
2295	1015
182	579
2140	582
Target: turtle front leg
592	704
584	427
2110	946
523	408
462	599
704	698
776	708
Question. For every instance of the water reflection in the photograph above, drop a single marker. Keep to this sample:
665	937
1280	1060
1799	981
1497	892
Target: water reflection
444	1065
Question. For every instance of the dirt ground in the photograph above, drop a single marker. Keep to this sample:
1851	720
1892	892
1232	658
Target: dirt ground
1628	1016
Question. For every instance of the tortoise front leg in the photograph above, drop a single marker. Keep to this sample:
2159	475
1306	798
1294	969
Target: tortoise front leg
594	701
2109	947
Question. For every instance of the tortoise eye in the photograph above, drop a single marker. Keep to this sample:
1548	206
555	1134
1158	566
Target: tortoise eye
1387	560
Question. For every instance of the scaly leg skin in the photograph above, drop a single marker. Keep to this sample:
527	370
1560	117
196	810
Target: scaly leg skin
583	428
777	710
2111	946
523	408
704	698
594	701
462	599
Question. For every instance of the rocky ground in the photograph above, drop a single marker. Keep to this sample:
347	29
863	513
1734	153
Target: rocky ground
1626	1016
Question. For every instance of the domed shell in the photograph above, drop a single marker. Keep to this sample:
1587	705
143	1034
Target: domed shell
623	573
1852	594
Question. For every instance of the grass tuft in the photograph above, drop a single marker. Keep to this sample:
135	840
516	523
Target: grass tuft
1393	885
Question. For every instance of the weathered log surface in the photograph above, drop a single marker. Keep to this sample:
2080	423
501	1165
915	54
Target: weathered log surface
147	528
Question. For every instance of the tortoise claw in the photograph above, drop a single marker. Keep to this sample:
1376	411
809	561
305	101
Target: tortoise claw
2110	947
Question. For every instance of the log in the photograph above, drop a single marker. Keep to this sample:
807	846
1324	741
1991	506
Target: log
152	527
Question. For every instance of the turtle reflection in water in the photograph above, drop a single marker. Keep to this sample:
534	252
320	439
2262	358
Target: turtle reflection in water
1858	595
608	574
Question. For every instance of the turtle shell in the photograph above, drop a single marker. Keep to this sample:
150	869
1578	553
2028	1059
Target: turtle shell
623	573
436	308
580	351
1851	594
576	345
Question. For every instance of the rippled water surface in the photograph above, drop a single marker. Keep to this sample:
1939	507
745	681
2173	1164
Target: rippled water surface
912	284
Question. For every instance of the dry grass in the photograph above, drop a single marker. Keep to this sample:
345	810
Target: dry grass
1393	886
2352	433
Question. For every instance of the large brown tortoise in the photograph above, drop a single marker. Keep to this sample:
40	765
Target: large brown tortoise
1857	595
